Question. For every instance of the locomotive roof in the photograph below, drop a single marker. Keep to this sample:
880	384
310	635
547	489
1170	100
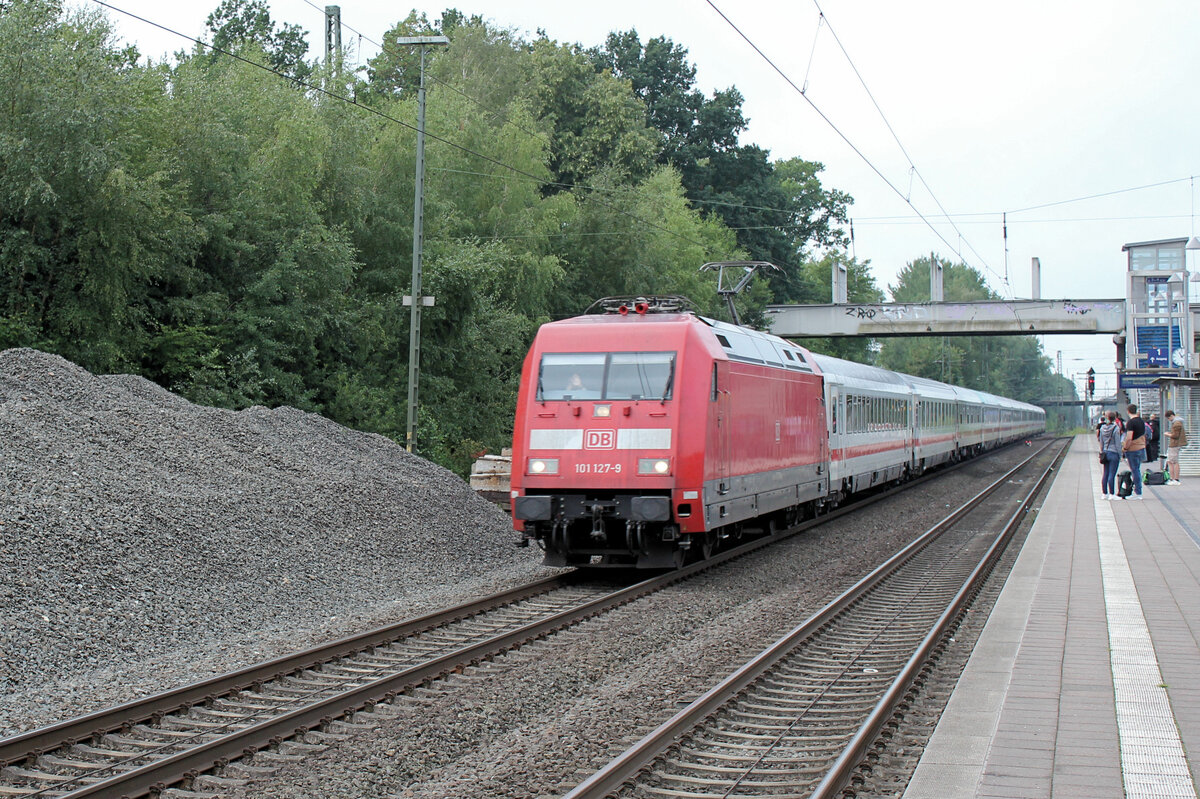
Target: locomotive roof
740	343
753	346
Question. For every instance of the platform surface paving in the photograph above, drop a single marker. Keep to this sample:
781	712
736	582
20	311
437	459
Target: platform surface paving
1085	683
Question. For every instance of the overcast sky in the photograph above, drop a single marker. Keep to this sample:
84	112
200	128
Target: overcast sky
1001	107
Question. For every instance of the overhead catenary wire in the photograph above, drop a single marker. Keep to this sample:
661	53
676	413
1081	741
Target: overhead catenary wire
1101	194
912	165
845	138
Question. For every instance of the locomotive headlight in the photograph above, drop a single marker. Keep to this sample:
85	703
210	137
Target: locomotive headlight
601	411
543	466
654	466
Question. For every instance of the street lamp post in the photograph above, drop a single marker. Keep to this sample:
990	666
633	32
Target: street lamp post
417	300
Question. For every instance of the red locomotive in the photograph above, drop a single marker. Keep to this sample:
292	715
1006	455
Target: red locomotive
646	434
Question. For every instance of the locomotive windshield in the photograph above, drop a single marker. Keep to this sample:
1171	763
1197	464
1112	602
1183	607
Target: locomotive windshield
606	376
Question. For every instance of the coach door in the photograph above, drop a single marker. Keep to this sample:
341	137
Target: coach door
913	431
720	393
837	426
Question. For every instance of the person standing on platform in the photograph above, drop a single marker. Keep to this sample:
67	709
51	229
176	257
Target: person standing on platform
1153	430
1176	440
1110	452
1135	448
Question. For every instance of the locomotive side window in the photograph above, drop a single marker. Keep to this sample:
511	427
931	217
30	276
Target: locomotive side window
606	375
714	392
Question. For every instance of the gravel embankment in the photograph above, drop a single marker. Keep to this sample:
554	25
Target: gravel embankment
149	542
536	721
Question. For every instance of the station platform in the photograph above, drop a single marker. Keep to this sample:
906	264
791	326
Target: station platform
1085	683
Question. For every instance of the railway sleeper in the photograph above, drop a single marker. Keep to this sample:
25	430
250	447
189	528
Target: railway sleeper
246	704
214	714
164	735
319	737
99	751
747	759
141	747
298	749
785	768
373	717
341	727
192	725
211	783
276	759
22	774
241	770
179	793
53	761
725	782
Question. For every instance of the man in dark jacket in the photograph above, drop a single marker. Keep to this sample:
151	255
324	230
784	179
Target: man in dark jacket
1134	447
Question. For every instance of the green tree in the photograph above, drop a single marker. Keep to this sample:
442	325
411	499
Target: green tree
597	125
266	288
88	209
235	23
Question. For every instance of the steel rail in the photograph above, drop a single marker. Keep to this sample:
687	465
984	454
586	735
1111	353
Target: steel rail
187	764
627	765
21	747
840	774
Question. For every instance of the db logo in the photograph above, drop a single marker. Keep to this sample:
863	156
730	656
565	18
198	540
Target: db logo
599	439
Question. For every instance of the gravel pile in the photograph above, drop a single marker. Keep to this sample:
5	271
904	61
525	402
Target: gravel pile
148	541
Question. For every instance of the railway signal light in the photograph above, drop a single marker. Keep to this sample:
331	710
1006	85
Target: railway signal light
1091	383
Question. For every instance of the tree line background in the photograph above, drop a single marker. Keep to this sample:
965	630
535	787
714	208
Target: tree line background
235	223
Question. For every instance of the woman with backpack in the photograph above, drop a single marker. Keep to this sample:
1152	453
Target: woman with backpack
1110	455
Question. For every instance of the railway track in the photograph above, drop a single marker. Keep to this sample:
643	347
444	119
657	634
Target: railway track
802	717
170	738
247	722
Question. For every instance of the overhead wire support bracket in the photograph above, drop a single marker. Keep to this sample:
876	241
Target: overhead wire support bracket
748	267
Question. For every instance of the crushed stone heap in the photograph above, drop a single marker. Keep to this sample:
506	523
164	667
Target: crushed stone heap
148	541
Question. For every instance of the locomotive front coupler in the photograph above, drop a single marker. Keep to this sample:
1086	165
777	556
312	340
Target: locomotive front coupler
598	510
